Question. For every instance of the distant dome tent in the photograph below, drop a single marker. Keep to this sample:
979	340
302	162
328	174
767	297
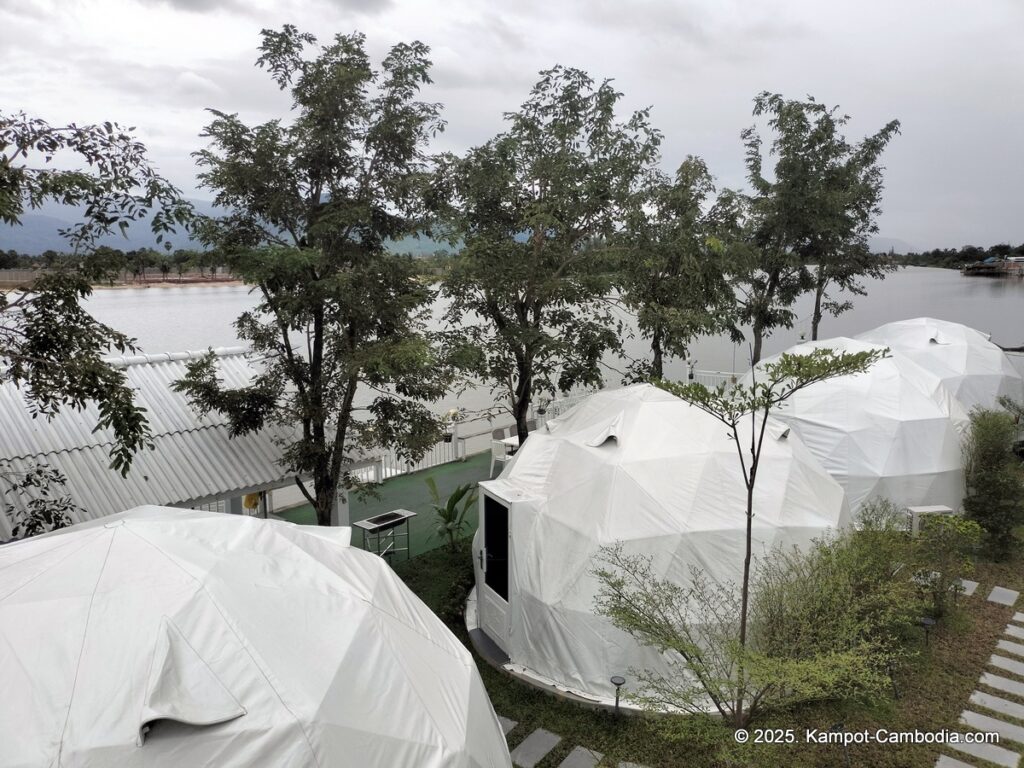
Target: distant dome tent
967	364
641	467
890	432
166	638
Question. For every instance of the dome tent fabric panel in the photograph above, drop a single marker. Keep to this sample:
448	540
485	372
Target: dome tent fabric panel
890	432
334	661
669	487
966	362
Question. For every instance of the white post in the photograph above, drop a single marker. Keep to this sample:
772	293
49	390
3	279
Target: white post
341	515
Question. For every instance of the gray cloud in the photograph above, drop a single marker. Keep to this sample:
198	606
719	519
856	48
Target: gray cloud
953	77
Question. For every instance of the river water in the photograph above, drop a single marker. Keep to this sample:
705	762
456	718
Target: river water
172	319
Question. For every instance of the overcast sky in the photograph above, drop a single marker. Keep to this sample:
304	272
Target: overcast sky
952	72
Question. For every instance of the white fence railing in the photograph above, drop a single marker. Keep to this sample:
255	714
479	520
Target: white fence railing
474	436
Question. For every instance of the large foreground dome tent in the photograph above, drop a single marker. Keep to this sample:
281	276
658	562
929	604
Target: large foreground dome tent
168	638
966	363
640	467
890	432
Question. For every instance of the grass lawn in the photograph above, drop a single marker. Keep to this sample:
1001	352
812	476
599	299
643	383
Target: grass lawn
933	691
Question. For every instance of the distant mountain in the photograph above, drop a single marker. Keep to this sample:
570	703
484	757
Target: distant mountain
39	231
886	244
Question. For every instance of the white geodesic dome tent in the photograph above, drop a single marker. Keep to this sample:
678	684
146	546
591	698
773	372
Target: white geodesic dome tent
641	467
163	637
891	432
967	364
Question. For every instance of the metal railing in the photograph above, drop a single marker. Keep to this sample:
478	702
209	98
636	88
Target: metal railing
474	436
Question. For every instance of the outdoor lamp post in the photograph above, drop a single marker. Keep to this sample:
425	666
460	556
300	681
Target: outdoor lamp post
693	364
618	682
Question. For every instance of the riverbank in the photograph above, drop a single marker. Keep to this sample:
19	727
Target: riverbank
11	287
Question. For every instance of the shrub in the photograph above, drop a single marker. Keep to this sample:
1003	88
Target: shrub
828	622
463	579
943	549
995	498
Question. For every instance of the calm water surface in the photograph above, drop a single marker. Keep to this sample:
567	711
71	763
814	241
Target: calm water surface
198	317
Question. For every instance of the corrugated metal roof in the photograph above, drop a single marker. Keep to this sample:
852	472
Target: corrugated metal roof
193	456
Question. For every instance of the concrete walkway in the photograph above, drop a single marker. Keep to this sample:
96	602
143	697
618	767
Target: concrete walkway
998	704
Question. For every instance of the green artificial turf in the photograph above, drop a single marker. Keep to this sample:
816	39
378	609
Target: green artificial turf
409	492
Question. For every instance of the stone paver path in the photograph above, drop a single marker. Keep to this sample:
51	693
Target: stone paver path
998	704
581	757
1003	596
534	748
1010	647
992	753
506	724
992	725
1004	684
1017	667
968	586
1009	658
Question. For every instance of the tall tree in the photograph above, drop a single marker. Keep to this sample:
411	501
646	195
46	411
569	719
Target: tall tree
49	344
824	195
312	203
744	410
673	269
532	207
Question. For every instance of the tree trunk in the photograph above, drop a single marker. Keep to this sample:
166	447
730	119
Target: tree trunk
819	292
323	490
757	331
744	602
657	356
521	411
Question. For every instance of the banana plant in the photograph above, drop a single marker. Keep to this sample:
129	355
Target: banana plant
451	512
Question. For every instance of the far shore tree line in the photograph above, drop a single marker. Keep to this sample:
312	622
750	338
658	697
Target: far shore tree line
122	266
954	258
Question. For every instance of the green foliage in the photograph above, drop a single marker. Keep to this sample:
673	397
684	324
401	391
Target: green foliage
944	547
673	266
995	481
698	624
772	384
38	508
827	623
533	208
818	209
312	203
450	524
118	187
54	349
49	344
463	579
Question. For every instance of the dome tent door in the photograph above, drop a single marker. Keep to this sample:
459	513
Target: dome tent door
494	563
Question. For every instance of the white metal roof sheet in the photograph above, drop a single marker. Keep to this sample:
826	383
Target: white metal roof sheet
193	457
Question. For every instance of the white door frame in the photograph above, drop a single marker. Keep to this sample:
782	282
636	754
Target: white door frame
491	606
